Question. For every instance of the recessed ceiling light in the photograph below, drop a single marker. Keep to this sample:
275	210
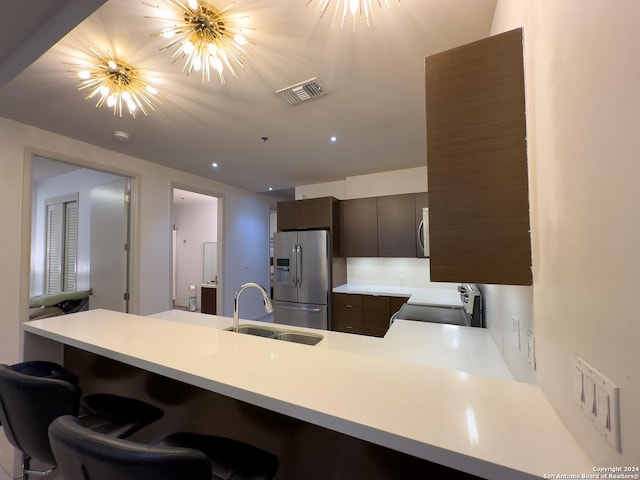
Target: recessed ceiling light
271	189
121	136
334	139
215	165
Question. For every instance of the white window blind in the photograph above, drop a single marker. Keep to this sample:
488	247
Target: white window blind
70	246
62	245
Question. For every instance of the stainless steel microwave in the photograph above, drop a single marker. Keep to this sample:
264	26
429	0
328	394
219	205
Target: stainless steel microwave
423	233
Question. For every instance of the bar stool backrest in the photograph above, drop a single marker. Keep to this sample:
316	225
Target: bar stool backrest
28	405
86	455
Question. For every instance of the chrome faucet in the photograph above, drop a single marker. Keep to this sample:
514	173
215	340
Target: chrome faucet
268	307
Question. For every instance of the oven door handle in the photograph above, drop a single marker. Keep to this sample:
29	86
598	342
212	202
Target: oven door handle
393	317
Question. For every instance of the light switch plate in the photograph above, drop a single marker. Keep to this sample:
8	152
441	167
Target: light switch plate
531	349
578	383
600	400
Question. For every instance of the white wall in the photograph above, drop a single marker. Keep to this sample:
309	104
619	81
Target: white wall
81	182
583	111
329	189
196	223
243	212
409	180
508	315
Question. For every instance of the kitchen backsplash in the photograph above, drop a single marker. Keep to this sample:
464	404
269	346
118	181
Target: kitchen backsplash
410	272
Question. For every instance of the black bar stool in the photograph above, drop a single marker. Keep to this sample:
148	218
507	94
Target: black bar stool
33	394
86	455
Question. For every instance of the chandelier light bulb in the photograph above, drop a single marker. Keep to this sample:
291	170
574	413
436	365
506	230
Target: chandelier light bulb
351	10
167	33
116	82
216	63
205	38
240	39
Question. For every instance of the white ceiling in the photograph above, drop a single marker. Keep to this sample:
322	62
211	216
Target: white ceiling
375	79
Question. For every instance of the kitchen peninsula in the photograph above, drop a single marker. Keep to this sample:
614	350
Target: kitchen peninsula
361	399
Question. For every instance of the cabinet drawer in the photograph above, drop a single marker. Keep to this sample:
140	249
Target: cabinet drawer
346	299
375	302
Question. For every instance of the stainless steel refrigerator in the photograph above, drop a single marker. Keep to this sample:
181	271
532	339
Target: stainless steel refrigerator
301	278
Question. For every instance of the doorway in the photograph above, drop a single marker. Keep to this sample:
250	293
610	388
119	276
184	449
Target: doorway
196	252
80	224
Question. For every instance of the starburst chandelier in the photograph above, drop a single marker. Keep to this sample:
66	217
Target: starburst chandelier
353	10
207	38
116	83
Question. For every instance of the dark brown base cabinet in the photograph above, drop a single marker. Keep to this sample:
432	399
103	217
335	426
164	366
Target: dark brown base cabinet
363	314
208	302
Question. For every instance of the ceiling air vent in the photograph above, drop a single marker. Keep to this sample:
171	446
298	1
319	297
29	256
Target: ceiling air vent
304	91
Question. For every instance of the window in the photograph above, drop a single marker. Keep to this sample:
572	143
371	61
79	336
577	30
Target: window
62	244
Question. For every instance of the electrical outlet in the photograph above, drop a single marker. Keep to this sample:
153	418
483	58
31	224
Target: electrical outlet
515	321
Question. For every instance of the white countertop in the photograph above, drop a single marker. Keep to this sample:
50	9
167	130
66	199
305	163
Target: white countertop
454	347
446	297
486	426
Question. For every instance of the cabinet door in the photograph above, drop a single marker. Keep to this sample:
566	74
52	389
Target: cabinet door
289	215
396	226
359	227
316	213
477	163
376	313
310	213
208	302
397	303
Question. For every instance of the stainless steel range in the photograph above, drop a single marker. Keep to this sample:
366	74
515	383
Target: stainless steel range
472	301
469	314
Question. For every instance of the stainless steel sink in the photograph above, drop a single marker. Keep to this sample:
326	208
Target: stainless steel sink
257	331
294	336
299	337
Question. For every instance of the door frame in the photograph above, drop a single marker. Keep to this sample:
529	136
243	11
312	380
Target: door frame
27	211
220	238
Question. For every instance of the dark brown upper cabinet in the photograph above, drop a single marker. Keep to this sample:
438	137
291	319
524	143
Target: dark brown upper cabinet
307	214
397	226
359	227
477	163
385	226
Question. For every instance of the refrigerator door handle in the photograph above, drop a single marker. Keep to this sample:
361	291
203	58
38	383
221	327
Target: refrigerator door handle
305	309
299	264
294	258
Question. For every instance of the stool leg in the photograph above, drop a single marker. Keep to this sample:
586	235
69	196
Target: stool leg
26	469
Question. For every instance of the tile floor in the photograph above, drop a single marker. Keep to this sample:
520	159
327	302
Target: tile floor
6	454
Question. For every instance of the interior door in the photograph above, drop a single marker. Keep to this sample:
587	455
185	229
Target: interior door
110	246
